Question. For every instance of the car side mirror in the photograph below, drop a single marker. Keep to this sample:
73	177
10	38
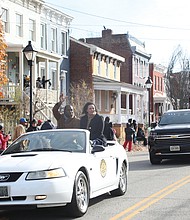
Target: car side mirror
97	148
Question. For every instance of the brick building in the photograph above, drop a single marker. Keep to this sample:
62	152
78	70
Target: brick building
135	69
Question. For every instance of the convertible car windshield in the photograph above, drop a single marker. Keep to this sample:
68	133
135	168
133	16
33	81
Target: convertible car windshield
72	141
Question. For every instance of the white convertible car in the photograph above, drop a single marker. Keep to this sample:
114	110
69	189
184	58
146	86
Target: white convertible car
60	167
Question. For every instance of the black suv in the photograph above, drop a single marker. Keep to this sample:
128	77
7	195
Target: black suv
171	137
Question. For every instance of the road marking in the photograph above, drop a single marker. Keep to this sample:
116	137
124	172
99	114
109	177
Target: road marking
145	203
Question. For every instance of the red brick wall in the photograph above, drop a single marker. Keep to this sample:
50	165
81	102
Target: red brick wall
80	63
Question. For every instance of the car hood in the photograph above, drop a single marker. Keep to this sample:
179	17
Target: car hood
172	127
23	162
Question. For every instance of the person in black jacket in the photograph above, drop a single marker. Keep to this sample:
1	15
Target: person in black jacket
47	125
94	122
108	131
33	126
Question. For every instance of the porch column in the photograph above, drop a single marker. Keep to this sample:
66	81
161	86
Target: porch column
135	105
164	106
118	109
46	77
127	104
58	79
142	109
21	71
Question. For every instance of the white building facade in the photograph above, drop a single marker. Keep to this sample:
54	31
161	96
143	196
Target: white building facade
47	29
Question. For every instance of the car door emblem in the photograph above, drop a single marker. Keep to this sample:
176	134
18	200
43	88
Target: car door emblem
103	168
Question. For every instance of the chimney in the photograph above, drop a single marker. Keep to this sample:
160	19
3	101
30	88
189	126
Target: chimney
106	33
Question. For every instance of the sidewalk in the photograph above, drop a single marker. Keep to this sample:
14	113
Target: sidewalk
139	147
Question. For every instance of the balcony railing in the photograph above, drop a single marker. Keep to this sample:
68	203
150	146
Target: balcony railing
9	93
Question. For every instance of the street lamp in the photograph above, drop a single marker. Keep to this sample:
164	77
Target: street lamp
30	55
148	85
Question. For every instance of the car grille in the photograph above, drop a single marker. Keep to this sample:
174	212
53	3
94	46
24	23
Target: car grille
172	141
9	177
14	198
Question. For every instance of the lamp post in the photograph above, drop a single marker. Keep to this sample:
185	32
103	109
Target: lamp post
148	85
30	55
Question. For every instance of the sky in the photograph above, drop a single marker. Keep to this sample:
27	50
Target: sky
162	24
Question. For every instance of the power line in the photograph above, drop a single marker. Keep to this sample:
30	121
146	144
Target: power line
117	20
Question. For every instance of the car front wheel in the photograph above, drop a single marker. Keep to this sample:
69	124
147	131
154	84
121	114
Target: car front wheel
122	187
80	199
154	160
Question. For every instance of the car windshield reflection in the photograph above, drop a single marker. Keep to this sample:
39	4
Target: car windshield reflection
175	118
71	141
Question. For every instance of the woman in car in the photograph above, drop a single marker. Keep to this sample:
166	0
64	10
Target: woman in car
92	121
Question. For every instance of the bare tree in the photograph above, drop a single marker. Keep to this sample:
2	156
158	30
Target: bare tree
80	93
177	79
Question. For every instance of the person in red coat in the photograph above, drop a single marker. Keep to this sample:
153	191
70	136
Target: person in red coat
129	132
3	139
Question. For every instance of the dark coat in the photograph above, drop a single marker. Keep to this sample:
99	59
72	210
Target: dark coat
32	128
129	133
96	126
108	131
47	125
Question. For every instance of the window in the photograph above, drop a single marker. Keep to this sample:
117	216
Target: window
19	23
161	84
115	70
42	72
98	99
141	69
4	18
43	36
158	86
99	64
53	79
155	84
106	100
53	39
32	27
63	43
136	66
107	67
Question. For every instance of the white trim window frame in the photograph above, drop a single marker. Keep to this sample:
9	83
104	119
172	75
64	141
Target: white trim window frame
32	29
19	25
98	99
64	43
99	64
115	70
53	39
5	22
53	79
43	36
107	67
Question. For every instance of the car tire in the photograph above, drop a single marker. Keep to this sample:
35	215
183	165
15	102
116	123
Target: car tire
154	160
122	187
80	199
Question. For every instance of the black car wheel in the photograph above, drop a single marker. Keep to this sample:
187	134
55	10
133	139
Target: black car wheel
153	159
122	187
80	199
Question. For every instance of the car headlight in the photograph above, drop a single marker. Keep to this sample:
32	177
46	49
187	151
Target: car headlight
46	174
153	134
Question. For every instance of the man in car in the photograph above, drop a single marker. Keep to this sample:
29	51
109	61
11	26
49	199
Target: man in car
67	119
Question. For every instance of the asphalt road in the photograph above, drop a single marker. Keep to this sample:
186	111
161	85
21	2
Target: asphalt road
154	192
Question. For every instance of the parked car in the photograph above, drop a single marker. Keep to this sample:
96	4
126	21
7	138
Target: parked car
60	167
171	137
